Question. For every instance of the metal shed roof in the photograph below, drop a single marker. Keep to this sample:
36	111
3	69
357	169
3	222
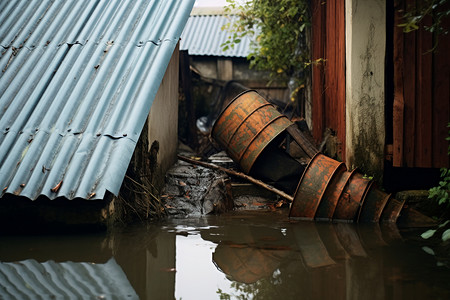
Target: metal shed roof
77	82
203	35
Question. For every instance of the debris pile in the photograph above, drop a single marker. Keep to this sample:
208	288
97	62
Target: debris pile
192	190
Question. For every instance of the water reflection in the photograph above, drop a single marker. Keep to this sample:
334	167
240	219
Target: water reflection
249	256
29	279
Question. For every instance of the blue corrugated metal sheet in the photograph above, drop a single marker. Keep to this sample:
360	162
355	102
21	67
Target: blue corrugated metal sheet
203	35
29	279
77	82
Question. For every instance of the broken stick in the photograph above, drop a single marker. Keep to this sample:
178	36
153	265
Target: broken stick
238	174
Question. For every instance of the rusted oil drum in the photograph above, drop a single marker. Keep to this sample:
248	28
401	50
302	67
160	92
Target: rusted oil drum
328	204
352	198
311	188
327	191
373	205
392	211
246	126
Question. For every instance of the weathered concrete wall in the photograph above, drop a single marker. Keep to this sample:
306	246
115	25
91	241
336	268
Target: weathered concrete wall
365	23
155	152
163	118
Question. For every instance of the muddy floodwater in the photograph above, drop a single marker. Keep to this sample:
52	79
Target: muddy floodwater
245	255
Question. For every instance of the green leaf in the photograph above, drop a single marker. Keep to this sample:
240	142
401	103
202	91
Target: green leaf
428	250
446	235
427	234
444	224
302	27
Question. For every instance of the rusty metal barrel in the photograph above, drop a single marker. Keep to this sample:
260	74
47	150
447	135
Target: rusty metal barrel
327	190
246	126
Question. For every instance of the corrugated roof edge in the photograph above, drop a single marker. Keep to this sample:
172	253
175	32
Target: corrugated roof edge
94	173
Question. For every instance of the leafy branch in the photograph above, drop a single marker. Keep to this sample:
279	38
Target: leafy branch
442	192
277	30
438	10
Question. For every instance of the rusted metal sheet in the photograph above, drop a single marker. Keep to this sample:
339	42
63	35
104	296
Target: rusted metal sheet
246	126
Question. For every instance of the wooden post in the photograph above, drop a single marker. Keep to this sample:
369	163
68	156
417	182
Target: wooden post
185	76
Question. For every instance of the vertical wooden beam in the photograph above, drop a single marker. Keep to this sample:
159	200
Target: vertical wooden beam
409	81
330	66
441	96
399	101
424	97
318	37
224	69
186	84
340	76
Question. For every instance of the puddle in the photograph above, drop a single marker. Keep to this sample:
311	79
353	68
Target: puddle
243	255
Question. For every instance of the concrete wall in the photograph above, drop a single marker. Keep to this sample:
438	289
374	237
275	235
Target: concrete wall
163	118
365	23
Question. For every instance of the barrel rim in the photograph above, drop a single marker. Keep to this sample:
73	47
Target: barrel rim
245	119
228	105
311	161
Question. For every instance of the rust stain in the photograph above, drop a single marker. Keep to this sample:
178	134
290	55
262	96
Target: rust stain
57	187
246	126
312	186
328	191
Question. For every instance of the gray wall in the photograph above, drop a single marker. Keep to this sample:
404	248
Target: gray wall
365	76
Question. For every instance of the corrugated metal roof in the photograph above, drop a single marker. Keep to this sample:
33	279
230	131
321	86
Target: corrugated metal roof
29	279
77	82
203	35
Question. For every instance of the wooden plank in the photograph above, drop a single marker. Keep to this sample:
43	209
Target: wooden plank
409	81
441	107
340	76
185	77
399	102
302	141
424	96
318	37
330	70
224	69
